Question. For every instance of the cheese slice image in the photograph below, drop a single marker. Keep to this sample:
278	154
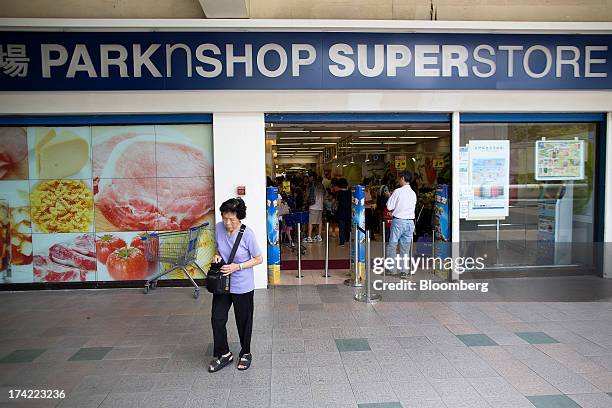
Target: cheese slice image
61	155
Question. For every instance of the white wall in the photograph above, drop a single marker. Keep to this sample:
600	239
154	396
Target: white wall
239	156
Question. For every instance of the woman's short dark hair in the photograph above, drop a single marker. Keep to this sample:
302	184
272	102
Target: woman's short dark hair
234	205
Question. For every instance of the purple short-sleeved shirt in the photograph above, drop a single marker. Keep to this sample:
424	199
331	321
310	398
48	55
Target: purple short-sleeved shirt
241	281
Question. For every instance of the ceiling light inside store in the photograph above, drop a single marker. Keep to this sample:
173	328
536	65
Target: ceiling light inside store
318	143
333	131
383	130
331	137
428	130
419	137
377	137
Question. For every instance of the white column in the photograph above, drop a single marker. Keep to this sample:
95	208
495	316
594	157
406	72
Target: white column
240	160
607	261
455	144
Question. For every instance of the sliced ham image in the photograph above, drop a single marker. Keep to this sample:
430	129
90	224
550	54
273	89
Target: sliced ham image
182	201
13	148
139	160
131	201
181	160
67	255
129	204
45	270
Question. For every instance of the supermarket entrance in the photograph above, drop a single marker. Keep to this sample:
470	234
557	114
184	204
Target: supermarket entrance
330	156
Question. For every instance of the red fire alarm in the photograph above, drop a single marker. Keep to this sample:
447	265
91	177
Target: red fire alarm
241	190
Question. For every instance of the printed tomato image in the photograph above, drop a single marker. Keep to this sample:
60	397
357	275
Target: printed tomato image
106	244
127	264
139	242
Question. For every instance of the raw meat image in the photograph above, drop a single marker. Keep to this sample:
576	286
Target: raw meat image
181	160
13	153
64	257
183	201
127	162
120	152
127	205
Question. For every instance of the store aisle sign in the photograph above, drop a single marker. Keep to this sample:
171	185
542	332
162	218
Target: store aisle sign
489	173
31	61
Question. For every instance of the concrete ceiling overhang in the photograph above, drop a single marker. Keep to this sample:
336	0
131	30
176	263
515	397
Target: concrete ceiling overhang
225	8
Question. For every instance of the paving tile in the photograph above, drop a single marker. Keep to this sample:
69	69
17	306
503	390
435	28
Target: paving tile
82	400
252	378
354	344
166	399
124	400
134	383
536	337
332	395
123	353
331	374
246	397
22	356
90	353
291	396
290	376
147	365
374	392
381	405
174	381
207	399
97	384
599	400
552	401
417	389
494	387
476	340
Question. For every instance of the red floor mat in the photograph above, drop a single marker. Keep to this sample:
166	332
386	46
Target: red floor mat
316	264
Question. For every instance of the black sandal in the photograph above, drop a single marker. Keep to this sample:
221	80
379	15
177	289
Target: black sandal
219	363
245	362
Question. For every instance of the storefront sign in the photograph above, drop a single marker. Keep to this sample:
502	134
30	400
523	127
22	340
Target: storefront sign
489	178
559	159
400	163
31	61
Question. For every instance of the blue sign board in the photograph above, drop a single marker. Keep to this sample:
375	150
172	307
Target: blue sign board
54	61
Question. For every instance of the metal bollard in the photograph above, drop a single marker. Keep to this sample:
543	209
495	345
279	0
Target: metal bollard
326	250
384	248
299	250
367	296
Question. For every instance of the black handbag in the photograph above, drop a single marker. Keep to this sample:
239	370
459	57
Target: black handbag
216	282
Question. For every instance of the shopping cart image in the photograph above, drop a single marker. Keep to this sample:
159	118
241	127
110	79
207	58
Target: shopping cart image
178	249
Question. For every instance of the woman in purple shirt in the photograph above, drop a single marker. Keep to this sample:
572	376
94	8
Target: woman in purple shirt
242	285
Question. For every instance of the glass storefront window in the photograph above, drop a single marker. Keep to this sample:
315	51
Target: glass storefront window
550	214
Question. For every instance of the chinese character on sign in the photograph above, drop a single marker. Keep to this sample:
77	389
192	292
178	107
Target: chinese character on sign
14	61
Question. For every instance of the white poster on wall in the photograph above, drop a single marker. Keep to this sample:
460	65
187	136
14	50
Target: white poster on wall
489	175
559	160
465	192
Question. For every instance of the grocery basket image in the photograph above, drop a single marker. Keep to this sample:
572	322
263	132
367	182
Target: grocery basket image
179	249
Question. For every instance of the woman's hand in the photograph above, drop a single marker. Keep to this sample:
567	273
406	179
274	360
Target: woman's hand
217	258
229	269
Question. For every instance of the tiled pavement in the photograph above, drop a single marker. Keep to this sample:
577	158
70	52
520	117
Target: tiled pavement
313	347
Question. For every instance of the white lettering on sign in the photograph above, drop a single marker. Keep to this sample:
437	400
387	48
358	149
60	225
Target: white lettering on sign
292	61
483	60
14	61
61	56
204	59
119	61
589	60
344	66
421	60
297	61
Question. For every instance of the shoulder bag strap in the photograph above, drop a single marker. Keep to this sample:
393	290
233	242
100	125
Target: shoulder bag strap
236	243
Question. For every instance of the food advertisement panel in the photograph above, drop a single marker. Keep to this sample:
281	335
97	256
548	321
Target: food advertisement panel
76	202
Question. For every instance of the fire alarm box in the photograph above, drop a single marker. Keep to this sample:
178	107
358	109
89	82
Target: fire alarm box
241	190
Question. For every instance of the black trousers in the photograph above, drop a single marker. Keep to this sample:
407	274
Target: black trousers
243	311
344	230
